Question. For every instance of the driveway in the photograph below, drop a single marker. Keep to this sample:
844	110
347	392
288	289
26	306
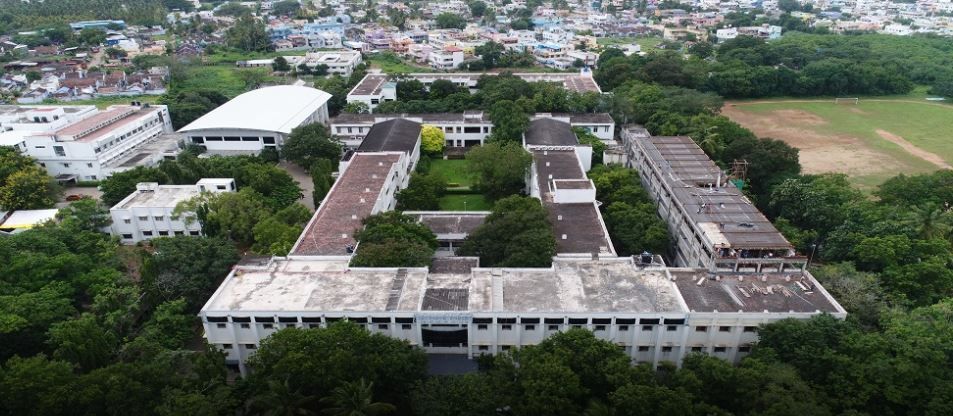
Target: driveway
92	192
304	181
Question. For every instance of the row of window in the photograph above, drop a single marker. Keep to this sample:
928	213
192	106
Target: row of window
597	328
640	348
123	137
161	234
405	327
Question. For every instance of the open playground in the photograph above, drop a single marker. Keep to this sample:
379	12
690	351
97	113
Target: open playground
870	141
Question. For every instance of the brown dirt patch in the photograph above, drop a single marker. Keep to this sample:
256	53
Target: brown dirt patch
914	150
819	152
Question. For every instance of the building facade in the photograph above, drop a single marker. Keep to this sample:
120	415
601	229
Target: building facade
149	212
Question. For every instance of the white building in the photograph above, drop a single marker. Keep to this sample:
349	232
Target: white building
338	62
148	212
14	222
653	312
446	59
83	143
470	128
765	31
258	119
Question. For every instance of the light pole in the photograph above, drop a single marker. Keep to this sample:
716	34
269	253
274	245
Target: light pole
814	248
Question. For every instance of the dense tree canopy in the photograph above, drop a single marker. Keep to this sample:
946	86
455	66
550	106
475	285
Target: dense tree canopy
391	239
499	168
309	143
516	234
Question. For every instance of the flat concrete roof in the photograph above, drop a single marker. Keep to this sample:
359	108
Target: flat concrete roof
467	117
370	85
607	286
550	132
101	124
163	196
442	223
352	199
752	293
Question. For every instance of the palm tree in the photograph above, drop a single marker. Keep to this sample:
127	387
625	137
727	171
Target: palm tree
930	220
280	400
355	399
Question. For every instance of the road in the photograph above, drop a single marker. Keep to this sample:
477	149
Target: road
304	181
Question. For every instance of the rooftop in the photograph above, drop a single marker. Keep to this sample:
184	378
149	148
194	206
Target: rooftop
444	223
104	123
726	216
350	200
468	117
752	293
370	85
395	135
550	132
274	109
607	286
162	196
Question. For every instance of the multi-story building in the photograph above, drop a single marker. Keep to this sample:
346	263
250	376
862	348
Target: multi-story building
83	143
150	211
446	59
377	88
653	312
470	128
257	120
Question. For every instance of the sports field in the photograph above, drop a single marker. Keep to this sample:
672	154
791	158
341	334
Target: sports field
870	141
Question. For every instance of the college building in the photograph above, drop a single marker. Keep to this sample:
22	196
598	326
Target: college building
149	212
257	120
82	143
653	311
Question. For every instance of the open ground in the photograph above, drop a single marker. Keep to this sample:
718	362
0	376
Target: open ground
870	141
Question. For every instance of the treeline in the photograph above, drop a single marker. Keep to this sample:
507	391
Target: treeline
796	65
445	96
24	15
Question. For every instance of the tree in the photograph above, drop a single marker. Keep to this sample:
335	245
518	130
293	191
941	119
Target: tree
391	239
510	121
499	169
321	179
29	188
355	398
450	21
276	234
85	214
357	107
490	53
309	143
281	64
443	88
121	184
33	76
253	78
233	9
516	234
477	8
231	215
813	202
249	35
187	267
285	8
83	342
317	361
598	146
115	53
635	229
187	105
702	50
412	89
432	140
423	193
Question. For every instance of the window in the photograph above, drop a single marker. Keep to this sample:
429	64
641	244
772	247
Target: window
250	346
471	129
600	327
246	326
697	349
724	329
179	233
193	233
553	327
643	348
405	327
143	218
220	326
671	328
232	139
127	236
164	233
530	327
720	349
268	140
66	165
751	328
623	327
507	327
382	326
198	140
213	139
226	346
249	139
646	327
127	221
89	165
481	327
147	233
701	329
744	348
666	349
506	347
268	326
483	348
159	217
59	150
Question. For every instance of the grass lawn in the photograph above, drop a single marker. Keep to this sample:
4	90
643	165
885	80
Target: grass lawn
870	142
465	202
647	43
391	64
454	170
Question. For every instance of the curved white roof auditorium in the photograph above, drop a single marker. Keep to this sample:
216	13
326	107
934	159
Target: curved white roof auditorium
279	109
